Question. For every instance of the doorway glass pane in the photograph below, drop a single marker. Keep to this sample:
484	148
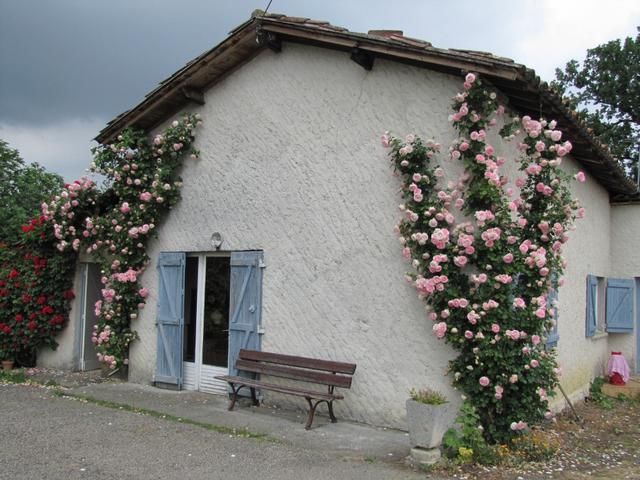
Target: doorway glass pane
215	335
190	309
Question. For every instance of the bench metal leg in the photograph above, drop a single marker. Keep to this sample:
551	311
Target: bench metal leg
312	411
234	396
254	398
331	415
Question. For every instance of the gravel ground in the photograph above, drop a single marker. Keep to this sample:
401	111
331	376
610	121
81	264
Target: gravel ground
43	436
604	446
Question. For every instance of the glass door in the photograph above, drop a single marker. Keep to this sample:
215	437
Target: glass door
206	329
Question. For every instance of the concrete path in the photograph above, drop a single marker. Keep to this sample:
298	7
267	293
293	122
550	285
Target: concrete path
346	439
45	436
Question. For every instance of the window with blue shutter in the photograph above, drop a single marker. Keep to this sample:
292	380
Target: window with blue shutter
619	309
553	337
245	307
170	318
592	305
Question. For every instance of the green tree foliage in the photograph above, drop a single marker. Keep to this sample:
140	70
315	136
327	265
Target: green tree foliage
22	188
605	90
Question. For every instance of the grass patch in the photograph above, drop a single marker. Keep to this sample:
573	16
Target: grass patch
242	432
13	376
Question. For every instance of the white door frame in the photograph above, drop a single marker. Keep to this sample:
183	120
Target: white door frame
204	374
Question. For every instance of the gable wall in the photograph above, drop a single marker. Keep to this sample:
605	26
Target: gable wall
291	164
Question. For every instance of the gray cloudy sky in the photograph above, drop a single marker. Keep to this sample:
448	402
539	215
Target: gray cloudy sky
69	66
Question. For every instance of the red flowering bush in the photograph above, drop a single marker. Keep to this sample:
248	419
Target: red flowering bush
35	292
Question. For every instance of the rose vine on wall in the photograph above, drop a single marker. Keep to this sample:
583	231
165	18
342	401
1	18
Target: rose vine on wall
485	255
113	225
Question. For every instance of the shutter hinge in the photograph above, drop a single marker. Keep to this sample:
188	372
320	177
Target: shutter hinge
262	264
260	330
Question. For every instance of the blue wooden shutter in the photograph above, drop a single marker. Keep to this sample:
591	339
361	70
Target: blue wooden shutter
245	307
170	318
592	296
619	305
553	337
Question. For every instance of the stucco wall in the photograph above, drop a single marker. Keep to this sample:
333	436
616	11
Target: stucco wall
625	263
291	164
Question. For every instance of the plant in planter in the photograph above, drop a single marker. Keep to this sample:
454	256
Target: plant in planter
429	415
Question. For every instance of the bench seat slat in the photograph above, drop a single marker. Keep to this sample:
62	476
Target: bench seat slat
294	361
341	381
279	388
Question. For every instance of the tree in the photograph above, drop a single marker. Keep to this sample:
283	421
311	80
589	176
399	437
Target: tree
22	189
605	90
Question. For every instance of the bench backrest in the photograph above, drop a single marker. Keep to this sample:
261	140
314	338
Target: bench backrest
297	368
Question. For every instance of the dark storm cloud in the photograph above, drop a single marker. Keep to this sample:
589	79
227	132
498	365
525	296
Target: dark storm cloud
80	58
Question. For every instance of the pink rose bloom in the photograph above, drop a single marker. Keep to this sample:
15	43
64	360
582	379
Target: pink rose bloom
535	363
580	176
145	196
484	381
541	313
513	378
144	292
508	258
495	328
440	329
535	339
464	146
468	334
385	140
513	334
470	78
519	182
460	261
124	208
416	177
519	303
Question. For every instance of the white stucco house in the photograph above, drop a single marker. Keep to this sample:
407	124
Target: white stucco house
292	205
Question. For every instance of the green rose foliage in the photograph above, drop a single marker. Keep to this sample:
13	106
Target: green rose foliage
485	262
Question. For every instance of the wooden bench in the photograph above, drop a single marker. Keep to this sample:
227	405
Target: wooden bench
309	370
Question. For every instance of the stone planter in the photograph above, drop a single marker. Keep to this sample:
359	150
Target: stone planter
428	423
